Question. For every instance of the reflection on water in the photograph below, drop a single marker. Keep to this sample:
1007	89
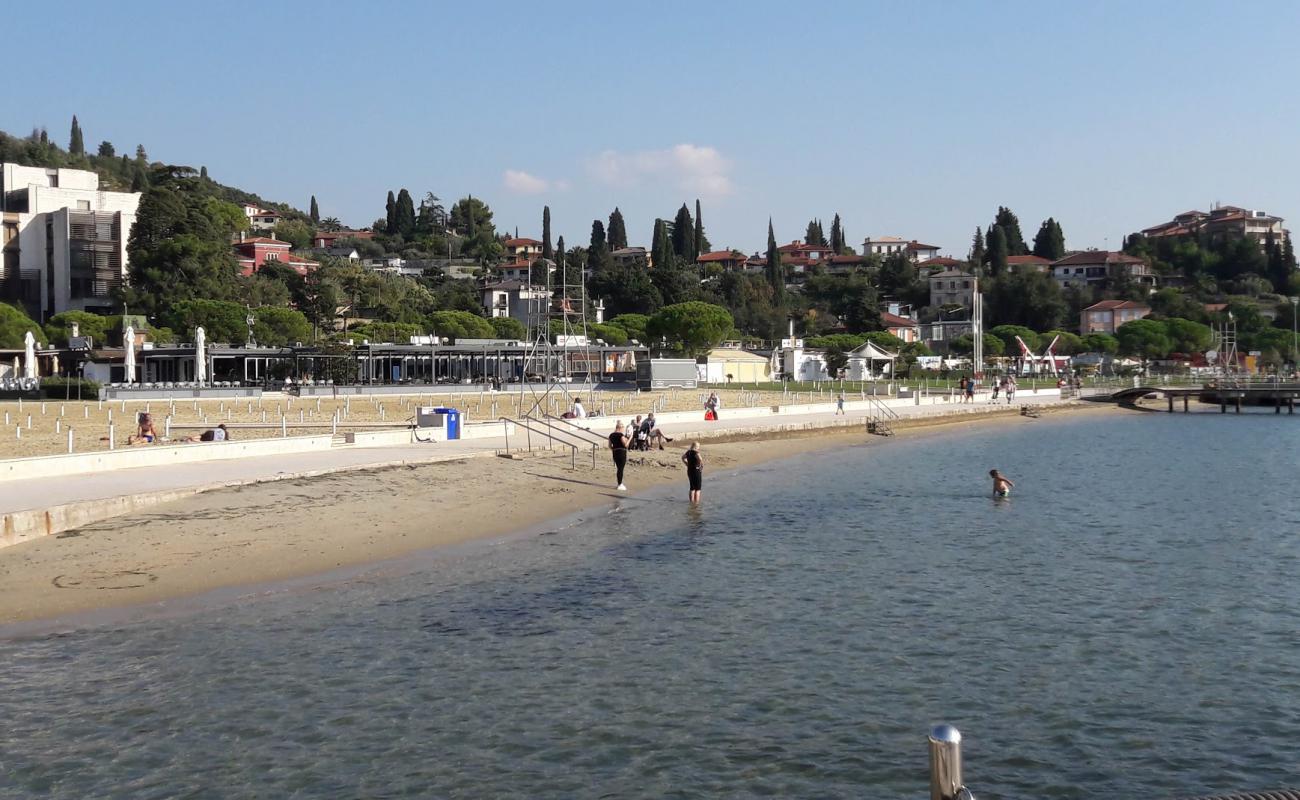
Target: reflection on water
1124	626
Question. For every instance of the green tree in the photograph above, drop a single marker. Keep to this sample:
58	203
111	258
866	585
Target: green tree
1008	334
1188	337
1010	225
297	233
179	247
837	235
387	332
280	327
509	328
671	276
683	237
390	226
692	328
460	325
964	345
813	234
14	325
1026	297
998	251
547	251
315	210
222	321
702	244
775	272
1049	243
617	231
404	214
977	255
58	328
634	325
106	150
1100	343
76	144
1067	344
608	333
1144	338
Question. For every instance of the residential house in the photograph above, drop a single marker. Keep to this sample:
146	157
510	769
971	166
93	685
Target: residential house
516	300
253	252
522	250
842	264
1096	267
727	260
1036	263
891	245
938	264
63	240
260	219
1220	223
952	287
1108	315
630	256
905	328
329	238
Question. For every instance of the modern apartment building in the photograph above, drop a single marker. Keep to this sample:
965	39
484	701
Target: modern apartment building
1221	222
63	239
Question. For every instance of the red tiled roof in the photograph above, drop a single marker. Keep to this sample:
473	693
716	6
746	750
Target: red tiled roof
721	255
264	240
1031	259
915	245
1110	305
941	261
1097	257
894	321
521	242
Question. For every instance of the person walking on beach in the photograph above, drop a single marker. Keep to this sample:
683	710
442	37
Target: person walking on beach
1002	485
618	448
1011	389
961	390
694	470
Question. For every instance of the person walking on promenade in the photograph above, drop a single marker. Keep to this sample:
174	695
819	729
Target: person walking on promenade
1011	389
694	470
996	385
961	390
839	404
578	411
618	448
970	390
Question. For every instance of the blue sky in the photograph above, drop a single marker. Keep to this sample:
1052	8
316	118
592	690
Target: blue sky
913	119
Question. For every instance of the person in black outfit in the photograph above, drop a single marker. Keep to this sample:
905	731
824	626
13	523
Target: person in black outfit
618	446
694	470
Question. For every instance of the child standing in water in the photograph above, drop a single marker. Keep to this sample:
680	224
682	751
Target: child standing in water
1001	485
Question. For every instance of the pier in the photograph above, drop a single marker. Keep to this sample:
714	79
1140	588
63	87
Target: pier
1234	395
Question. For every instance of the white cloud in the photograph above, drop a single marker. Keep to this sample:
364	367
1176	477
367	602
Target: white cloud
699	170
520	182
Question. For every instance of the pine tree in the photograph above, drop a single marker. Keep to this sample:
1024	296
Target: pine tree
138	181
44	136
617	231
141	156
76	144
977	253
1049	242
775	272
315	210
1010	225
837	235
547	251
684	237
106	149
997	251
203	173
390	226
701	241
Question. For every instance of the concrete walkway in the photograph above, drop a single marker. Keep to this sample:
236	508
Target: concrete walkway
49	505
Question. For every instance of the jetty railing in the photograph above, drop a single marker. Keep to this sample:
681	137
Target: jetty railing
549	433
946	781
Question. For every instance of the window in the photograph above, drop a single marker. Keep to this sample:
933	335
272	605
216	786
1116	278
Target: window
272	256
83	205
53	176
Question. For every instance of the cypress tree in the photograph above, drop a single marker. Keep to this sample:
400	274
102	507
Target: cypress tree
391	226
547	252
775	273
559	253
203	173
598	251
617	231
138	181
683	240
837	235
976	255
1288	256
470	224
315	210
405	214
76	144
1049	242
810	234
44	136
701	241
1010	225
997	251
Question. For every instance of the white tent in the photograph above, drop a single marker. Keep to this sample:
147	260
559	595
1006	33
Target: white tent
200	355
863	360
29	355
128	342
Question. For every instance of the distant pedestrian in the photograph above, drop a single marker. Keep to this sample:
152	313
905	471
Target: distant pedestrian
694	470
618	449
996	386
1011	389
839	404
970	390
961	390
578	411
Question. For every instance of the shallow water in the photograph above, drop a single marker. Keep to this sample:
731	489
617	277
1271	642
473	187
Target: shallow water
1124	626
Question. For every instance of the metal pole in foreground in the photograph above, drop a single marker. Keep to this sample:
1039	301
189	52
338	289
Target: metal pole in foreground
945	764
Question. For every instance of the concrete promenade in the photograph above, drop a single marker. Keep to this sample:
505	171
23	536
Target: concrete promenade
44	506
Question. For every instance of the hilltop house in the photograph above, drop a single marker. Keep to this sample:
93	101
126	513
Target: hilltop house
253	252
1108	315
1221	222
728	260
260	219
952	287
890	245
1096	267
1036	263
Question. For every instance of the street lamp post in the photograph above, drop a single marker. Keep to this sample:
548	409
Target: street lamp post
1295	337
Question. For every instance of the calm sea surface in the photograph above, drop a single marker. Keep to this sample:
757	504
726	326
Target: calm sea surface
1126	626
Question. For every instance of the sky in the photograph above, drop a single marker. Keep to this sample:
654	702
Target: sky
914	119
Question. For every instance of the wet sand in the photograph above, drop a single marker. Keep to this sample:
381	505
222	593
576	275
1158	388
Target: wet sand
265	533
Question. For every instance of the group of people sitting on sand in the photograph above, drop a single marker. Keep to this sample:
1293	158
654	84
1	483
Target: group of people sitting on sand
146	433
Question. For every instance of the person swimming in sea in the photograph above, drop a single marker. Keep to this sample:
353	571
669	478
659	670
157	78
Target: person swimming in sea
1001	484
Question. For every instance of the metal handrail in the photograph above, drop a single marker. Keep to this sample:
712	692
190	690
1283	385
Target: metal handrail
551	434
880	406
596	440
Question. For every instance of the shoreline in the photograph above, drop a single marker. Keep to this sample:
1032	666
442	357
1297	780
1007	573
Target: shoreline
248	541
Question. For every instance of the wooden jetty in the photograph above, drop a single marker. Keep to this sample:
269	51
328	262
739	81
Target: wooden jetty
1234	394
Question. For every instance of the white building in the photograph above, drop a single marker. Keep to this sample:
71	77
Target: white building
516	300
260	219
64	240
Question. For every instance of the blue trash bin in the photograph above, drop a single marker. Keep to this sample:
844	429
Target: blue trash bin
453	421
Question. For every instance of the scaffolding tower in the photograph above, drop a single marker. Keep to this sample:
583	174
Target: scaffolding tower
1225	344
559	345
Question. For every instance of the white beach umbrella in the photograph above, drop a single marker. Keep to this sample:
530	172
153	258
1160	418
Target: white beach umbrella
29	355
200	355
128	341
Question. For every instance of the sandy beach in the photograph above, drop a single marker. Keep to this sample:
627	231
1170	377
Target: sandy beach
264	533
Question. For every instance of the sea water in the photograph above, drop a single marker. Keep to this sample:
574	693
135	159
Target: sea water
1126	625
